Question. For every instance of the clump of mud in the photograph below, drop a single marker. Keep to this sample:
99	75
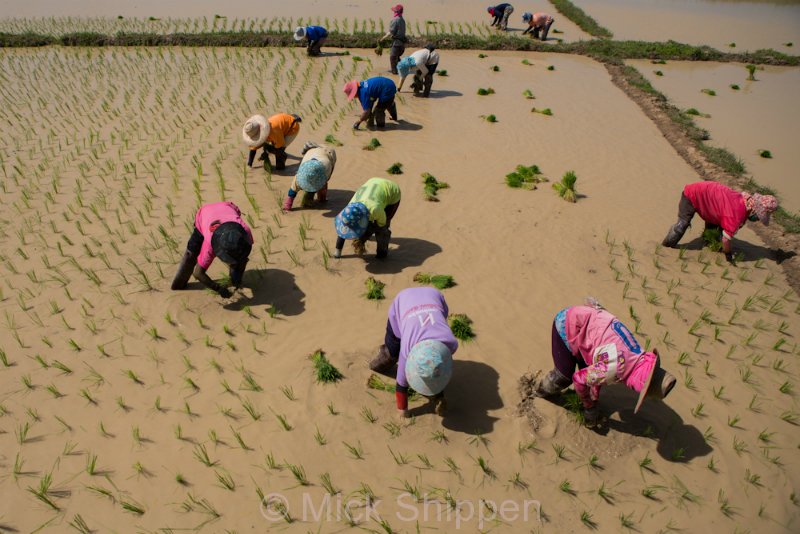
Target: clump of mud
527	406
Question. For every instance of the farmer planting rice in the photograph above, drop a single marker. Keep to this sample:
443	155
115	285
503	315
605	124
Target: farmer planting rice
538	22
604	351
397	32
418	347
315	35
313	175
370	211
500	12
273	135
219	231
376	96
721	208
424	63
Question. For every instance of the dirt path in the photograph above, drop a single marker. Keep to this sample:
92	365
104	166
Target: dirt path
784	245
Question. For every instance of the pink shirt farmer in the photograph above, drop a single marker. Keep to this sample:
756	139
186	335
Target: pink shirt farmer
208	218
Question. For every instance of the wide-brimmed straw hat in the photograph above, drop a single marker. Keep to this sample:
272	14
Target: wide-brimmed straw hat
311	176
351	89
299	33
231	243
429	367
255	130
352	221
657	382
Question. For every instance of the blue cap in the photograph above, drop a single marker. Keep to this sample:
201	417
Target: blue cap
429	367
526	17
352	222
311	176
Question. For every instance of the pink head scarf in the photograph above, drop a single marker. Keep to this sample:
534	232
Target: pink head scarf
398	10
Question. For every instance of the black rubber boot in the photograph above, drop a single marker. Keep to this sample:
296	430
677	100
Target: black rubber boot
675	234
280	159
185	269
552	384
383	363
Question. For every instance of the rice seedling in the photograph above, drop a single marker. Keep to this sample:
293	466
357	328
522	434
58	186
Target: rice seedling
356	452
432	186
299	473
525	177
325	371
283	422
288	392
399	458
485	92
566	187
201	454
739	446
374	289
786	388
368	416
461	325
372	145
44	493
484	466
332	409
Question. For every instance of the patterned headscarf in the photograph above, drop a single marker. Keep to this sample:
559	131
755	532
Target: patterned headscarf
761	205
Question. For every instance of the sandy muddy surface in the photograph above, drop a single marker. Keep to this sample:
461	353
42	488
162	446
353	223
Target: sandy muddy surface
749	24
97	207
761	115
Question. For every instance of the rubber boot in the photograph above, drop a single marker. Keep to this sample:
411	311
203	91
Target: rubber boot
308	200
287	203
185	269
383	363
675	234
552	384
322	194
440	405
280	159
380	117
371	120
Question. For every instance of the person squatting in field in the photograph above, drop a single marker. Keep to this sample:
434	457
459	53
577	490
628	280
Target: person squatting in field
424	64
273	135
537	22
376	96
721	208
219	231
500	12
370	211
604	352
315	35
312	176
418	347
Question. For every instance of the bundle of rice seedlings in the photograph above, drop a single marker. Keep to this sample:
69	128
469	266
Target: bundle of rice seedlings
439	281
709	92
495	68
376	382
484	92
432	185
551	67
765	154
712	237
481	56
543	111
379	49
374	289
566	187
442	72
527	93
461	325
751	71
489	118
326	372
396	168
526	177
373	144
331	140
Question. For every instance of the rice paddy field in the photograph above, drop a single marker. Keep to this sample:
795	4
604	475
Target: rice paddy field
128	407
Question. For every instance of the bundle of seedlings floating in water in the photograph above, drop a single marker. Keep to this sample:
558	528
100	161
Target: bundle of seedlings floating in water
765	154
543	111
373	144
374	289
551	67
525	177
484	92
432	185
324	369
461	325
751	72
566	187
376	382
709	92
442	72
396	168
489	118
439	281
495	68
735	87
696	113
526	62
331	140
527	93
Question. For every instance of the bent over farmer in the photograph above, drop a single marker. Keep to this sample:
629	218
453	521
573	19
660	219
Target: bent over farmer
604	351
424	63
220	232
312	176
418	347
538	22
273	135
370	211
720	207
376	96
500	12
315	35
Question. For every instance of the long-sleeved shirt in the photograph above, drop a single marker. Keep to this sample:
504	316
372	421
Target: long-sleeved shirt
425	58
397	28
718	204
282	125
376	194
208	218
417	314
498	11
315	33
378	89
608	348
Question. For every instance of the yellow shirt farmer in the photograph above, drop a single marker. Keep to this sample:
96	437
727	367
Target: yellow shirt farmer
370	211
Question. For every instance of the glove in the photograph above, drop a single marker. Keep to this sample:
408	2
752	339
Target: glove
591	416
225	293
730	258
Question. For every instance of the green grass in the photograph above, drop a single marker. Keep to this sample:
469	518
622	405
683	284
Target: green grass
581	19
325	371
